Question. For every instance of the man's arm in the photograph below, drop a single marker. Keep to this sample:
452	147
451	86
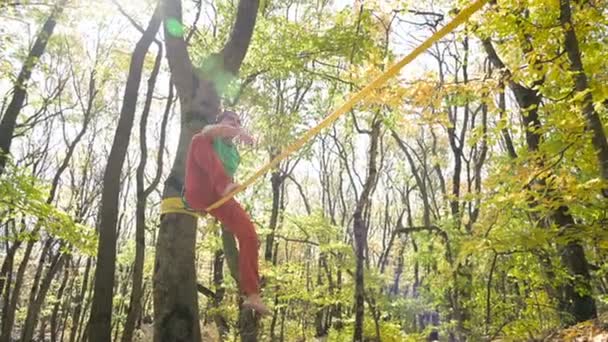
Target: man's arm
208	161
228	132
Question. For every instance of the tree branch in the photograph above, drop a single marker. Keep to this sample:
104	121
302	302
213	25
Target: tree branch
206	291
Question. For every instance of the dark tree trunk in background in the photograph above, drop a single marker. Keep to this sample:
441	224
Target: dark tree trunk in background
9	119
360	230
101	311
58	305
7	265
218	280
135	304
8	313
36	304
594	123
572	254
275	182
79	302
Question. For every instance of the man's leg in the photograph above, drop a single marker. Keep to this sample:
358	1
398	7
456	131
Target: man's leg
236	221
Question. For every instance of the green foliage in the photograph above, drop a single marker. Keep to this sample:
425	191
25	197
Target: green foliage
22	197
489	264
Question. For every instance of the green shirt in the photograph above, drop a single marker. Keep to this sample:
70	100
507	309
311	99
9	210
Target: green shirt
228	154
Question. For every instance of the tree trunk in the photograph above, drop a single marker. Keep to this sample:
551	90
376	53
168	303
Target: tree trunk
134	310
7	264
594	123
176	290
248	325
577	292
35	306
360	230
6	298
101	310
120	308
572	254
175	294
8	316
65	309
58	304
9	119
83	325
275	181
79	302
218	280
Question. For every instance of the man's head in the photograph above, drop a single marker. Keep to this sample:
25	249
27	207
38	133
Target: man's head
230	118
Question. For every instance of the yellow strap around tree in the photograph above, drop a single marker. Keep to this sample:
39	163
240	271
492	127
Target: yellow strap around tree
363	93
175	205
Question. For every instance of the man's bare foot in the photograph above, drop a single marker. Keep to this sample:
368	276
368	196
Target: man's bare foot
254	302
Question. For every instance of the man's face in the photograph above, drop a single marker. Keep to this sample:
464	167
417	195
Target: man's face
231	120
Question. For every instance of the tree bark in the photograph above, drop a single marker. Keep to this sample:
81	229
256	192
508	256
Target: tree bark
218	280
175	294
275	182
8	314
35	306
572	255
9	119
134	310
7	264
360	230
79	301
55	313
101	310
594	123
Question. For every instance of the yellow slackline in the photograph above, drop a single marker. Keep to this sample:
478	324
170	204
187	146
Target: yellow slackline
362	94
175	205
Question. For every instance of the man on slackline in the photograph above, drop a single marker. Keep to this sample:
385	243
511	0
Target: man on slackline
210	166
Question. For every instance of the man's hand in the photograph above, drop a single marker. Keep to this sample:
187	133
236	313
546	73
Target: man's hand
229	189
245	138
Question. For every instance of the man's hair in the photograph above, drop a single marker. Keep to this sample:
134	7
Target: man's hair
226	113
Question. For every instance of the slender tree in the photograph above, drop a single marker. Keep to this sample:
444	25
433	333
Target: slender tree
101	310
9	118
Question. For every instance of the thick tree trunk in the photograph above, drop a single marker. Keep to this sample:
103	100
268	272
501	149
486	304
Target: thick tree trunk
101	310
248	325
9	119
175	294
577	292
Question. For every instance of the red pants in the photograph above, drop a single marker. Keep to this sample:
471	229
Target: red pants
235	220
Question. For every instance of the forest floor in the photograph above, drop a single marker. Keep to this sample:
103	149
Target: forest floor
589	331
